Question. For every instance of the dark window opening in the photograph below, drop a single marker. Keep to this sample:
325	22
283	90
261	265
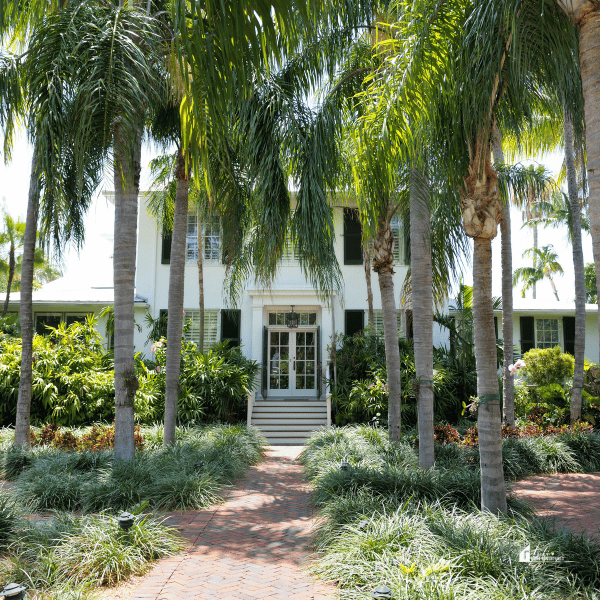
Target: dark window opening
231	321
43	321
353	254
569	334
355	321
527	334
167	238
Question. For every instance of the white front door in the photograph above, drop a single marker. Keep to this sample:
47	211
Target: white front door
292	368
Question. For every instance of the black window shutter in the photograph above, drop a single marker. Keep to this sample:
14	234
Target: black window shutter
496	326
265	361
353	254
527	334
167	238
319	368
569	334
355	321
231	321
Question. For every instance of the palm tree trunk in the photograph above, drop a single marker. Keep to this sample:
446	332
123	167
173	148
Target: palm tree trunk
22	424
383	259
493	490
175	305
422	305
508	384
200	284
367	266
11	275
127	154
585	14
578	268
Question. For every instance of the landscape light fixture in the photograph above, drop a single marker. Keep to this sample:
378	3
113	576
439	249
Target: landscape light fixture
292	319
199	466
363	524
13	591
382	591
344	465
126	520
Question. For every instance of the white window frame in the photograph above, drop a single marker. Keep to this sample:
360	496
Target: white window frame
211	240
544	344
212	326
396	225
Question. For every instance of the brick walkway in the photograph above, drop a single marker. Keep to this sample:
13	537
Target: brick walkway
252	547
573	499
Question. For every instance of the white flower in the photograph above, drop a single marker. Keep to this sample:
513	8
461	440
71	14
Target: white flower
159	344
512	369
520	364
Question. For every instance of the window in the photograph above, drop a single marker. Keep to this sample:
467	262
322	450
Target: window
42	321
231	321
353	254
546	333
211	239
378	322
569	334
354	321
165	256
398	232
539	333
304	318
289	256
211	327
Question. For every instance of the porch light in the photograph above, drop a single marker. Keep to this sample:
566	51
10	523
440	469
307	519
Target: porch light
126	520
344	465
382	591
292	319
14	591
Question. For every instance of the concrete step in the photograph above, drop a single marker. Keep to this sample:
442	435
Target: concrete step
309	427
291	410
284	418
284	402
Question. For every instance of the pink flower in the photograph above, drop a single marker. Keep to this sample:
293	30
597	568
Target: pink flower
184	313
158	369
520	364
153	348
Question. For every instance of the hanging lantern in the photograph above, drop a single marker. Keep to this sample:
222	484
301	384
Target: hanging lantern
292	319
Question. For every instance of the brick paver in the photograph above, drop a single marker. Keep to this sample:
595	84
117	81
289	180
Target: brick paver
573	499
252	547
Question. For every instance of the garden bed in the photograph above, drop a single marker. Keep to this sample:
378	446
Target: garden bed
58	529
385	521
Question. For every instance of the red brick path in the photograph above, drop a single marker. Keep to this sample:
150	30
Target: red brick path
573	499
253	547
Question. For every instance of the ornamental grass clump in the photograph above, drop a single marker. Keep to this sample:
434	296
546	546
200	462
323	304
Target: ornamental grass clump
168	478
68	554
422	533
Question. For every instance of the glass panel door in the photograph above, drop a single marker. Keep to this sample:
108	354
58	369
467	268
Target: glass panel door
292	363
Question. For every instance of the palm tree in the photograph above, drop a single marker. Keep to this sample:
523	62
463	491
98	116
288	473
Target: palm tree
12	236
578	267
585	16
545	266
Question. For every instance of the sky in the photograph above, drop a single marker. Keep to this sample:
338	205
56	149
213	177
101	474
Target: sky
93	263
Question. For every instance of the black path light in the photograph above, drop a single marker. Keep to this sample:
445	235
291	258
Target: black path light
363	524
344	465
126	520
382	591
13	591
199	466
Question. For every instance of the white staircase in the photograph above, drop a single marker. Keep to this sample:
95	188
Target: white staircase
288	422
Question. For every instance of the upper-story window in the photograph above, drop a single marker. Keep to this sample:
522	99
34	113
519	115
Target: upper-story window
211	239
353	254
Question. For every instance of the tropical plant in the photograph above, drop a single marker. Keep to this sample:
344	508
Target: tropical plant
545	266
591	293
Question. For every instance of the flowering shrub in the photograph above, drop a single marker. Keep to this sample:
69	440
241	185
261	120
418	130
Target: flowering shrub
97	438
445	434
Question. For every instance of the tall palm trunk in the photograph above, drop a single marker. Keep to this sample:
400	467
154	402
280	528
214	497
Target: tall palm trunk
11	275
578	267
508	384
127	154
482	212
586	16
367	265
200	284
383	259
422	306
175	305
22	424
